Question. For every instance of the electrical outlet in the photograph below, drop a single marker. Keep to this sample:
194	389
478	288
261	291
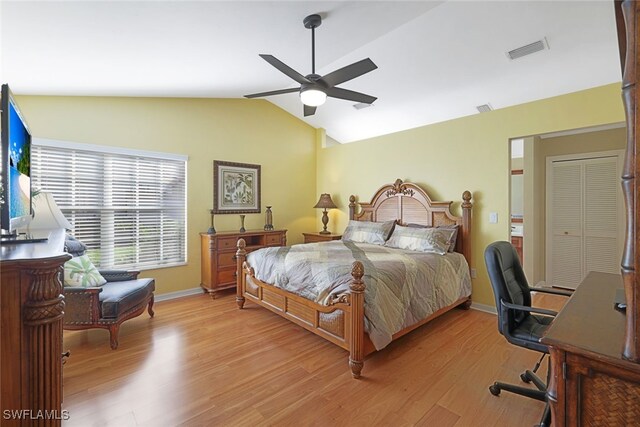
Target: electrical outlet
474	273
493	217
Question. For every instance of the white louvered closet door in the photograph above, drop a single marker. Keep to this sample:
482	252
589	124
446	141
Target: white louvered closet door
584	219
566	225
601	225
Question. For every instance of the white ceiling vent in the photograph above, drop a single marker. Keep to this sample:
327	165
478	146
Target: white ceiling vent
534	47
484	108
361	105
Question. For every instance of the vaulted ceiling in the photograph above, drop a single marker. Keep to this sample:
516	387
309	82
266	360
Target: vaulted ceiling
437	60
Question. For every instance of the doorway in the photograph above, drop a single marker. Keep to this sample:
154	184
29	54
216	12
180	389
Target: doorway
531	225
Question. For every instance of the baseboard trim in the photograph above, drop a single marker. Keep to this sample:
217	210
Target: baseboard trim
178	294
485	308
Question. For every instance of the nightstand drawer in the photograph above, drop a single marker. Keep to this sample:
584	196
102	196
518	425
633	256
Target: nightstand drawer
317	237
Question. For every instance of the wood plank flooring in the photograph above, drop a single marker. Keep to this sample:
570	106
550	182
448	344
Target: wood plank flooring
203	362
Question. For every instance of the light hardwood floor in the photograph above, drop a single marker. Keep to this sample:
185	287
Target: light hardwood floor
203	362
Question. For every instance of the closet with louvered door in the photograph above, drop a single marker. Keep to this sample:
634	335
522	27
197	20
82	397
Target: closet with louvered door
584	217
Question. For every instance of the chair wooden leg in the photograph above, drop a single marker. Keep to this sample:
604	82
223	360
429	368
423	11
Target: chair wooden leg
113	333
150	308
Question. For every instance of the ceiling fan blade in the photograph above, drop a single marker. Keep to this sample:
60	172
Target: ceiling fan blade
349	95
273	92
284	68
309	111
349	72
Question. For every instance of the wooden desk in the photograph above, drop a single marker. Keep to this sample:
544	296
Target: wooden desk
591	384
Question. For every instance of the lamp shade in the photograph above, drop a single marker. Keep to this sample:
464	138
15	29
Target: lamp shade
46	214
325	202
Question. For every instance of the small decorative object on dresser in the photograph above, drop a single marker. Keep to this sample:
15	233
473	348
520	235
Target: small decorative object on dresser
212	229
242	229
268	221
325	203
236	188
218	255
319	237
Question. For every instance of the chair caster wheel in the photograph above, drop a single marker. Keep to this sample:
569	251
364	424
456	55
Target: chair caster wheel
494	390
525	378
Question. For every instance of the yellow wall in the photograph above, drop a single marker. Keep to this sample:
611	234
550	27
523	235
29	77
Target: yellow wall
204	129
470	153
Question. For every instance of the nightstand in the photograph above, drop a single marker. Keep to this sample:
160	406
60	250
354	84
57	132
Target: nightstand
317	237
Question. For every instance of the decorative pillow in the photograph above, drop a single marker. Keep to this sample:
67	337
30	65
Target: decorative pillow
434	240
368	232
73	246
454	236
81	272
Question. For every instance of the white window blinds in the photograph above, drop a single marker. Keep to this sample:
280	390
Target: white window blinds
128	207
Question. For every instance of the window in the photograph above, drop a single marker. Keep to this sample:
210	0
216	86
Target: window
127	206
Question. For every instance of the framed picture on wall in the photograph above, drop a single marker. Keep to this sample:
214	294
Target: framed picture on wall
236	188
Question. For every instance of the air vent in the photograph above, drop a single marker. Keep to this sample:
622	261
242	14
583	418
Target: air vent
484	108
361	105
528	49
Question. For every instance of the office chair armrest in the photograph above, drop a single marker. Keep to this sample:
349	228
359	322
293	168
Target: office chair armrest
529	309
551	291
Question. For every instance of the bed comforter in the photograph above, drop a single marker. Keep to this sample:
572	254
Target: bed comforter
402	287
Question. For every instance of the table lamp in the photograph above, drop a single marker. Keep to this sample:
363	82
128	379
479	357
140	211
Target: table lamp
46	214
325	203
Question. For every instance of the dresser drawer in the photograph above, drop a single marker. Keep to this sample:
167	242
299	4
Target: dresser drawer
227	243
226	276
274	239
226	259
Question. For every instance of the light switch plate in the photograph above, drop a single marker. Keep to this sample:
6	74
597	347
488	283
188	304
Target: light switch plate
493	217
474	273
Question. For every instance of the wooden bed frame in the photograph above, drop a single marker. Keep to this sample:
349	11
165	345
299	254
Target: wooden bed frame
342	320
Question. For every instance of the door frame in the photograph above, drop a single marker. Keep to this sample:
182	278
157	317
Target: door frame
547	197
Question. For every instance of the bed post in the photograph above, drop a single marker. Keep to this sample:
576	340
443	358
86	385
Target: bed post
466	225
352	207
356	355
241	255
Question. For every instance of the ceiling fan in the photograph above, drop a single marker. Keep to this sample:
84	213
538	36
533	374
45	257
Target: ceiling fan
314	89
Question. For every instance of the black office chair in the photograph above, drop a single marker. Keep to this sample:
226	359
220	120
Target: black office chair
516	318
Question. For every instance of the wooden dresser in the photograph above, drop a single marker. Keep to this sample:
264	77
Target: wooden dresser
31	311
218	253
591	382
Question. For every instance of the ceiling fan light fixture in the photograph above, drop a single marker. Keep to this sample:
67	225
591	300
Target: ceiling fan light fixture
312	97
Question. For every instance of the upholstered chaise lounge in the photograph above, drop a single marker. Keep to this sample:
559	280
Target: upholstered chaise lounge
122	297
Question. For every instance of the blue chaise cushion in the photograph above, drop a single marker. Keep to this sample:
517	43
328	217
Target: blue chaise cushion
117	298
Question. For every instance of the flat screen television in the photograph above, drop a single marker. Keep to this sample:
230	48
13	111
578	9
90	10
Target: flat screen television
15	146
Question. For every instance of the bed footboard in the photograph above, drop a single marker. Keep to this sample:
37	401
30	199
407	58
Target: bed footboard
341	322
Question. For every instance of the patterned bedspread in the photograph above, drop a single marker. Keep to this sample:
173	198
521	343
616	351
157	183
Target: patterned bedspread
402	287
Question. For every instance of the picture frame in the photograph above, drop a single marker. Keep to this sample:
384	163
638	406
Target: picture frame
236	188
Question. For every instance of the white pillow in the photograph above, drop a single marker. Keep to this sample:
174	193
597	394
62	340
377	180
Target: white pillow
433	240
80	272
368	232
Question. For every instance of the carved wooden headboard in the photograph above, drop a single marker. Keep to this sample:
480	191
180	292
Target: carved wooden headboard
407	203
